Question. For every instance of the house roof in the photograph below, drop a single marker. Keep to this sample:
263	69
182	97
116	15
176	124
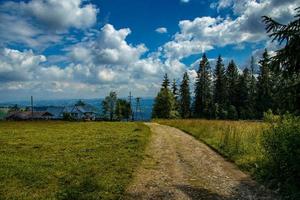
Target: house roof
29	114
68	109
82	109
86	109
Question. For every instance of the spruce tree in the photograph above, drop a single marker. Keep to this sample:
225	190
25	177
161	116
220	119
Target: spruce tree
166	81
174	88
286	62
123	110
185	97
252	91
264	87
203	90
220	89
232	78
287	59
175	93
244	107
164	102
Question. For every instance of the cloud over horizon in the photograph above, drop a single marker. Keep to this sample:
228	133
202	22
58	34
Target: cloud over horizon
89	60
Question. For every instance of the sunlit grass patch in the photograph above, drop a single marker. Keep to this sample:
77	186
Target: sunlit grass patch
237	140
65	160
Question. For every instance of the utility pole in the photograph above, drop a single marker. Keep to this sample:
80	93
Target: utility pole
138	109
130	103
31	107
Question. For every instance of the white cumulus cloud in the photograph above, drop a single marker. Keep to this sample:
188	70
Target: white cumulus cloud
40	23
185	1
161	30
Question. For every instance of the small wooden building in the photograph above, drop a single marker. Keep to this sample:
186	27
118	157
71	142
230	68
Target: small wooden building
28	115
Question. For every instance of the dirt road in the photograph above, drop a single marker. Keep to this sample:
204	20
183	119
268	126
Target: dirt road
179	167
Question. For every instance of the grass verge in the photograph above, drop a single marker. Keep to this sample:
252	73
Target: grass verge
237	140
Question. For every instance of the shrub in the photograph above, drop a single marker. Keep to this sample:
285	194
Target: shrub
223	113
68	117
282	148
270	117
232	112
216	111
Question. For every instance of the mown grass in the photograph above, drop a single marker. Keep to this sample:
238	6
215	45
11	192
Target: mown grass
65	160
237	140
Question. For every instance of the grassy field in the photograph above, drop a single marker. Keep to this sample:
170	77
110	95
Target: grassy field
65	160
237	140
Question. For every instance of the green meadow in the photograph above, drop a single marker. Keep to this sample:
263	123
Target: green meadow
68	160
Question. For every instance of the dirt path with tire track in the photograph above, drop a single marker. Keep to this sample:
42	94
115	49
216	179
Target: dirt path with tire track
177	166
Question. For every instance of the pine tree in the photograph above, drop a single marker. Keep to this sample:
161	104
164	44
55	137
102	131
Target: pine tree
174	88
220	89
287	59
286	62
232	77
264	87
164	103
203	91
175	93
244	84
252	90
123	110
166	82
280	98
185	97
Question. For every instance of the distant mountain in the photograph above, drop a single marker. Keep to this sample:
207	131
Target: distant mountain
146	104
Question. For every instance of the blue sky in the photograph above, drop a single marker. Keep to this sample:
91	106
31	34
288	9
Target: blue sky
84	49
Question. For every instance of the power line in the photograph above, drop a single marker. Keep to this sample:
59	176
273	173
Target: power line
138	109
130	103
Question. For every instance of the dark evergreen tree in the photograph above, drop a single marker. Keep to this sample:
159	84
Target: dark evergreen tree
164	103
286	62
232	78
174	88
220	89
203	90
232	113
264	87
123	110
287	59
185	97
280	99
166	81
252	91
175	93
244	107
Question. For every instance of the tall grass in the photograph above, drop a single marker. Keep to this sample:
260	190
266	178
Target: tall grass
237	140
269	151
